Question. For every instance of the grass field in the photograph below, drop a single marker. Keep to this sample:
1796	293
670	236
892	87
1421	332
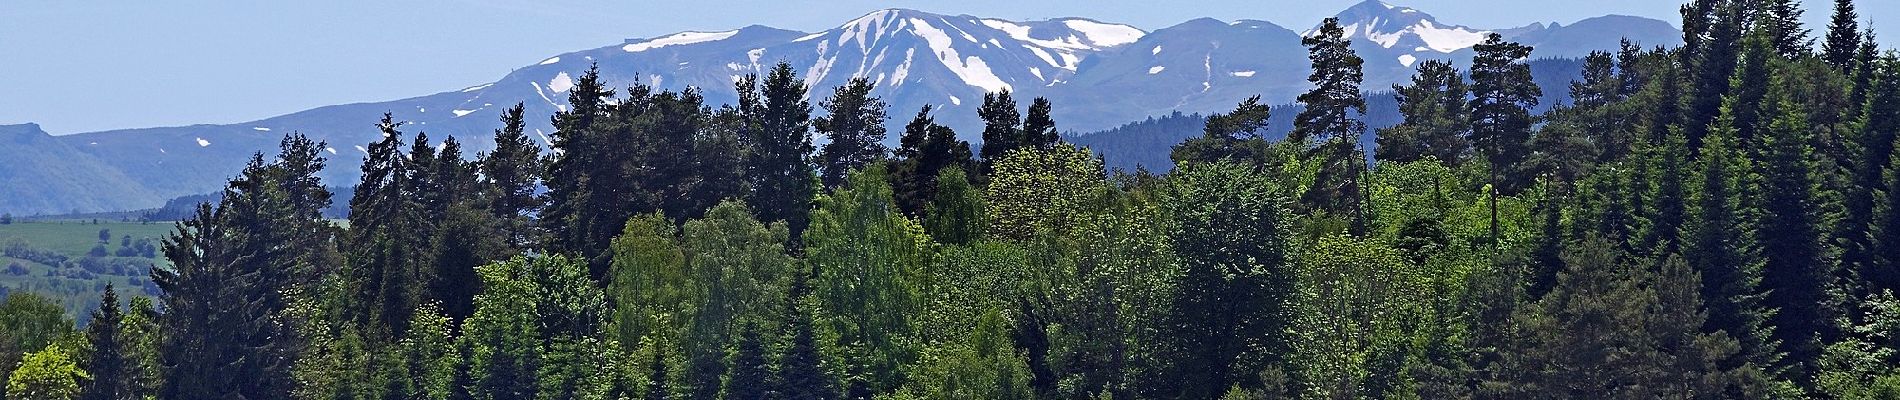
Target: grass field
69	285
74	238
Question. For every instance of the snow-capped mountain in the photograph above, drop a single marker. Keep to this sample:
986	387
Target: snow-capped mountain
1099	74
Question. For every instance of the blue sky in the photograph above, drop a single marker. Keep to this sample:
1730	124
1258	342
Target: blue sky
81	66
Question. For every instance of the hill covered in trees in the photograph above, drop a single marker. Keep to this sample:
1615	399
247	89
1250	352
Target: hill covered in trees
1715	220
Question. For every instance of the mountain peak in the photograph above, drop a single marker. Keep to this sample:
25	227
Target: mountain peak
1403	28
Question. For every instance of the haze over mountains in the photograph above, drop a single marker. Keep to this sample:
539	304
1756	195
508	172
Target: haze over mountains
1099	74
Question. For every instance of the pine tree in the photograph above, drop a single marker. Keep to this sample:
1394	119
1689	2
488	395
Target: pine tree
1502	95
855	125
512	171
1667	200
1039	127
1238	136
1843	36
502	337
1002	127
1328	119
1434	125
781	177
107	362
924	151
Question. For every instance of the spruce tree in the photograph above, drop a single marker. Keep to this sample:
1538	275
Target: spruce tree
582	160
107	361
1713	65
782	178
1843	36
1433	106
855	125
1796	275
1878	124
225	297
750	374
1781	19
1719	243
801	373
387	237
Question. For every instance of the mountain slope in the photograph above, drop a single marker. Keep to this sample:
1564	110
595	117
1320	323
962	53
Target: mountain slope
42	175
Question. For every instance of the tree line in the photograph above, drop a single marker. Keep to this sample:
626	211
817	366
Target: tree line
1715	220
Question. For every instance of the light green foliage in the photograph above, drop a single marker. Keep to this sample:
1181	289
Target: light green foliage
429	354
870	262
738	268
1354	294
955	216
965	281
1032	190
983	366
650	281
48	374
502	337
1121	277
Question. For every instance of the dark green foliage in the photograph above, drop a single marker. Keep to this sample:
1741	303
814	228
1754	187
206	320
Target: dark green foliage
801	371
1233	306
1329	119
1720	244
925	150
1434	108
1712	64
1843	36
782	180
512	171
751	372
1502	95
1039	128
1235	136
854	123
1002	127
112	377
1796	275
1781	21
225	298
1613	327
386	256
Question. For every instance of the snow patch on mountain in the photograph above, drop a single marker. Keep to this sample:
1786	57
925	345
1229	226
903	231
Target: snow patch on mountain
974	71
676	39
561	83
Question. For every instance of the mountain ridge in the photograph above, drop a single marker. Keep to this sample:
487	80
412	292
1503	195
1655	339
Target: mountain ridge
1085	66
